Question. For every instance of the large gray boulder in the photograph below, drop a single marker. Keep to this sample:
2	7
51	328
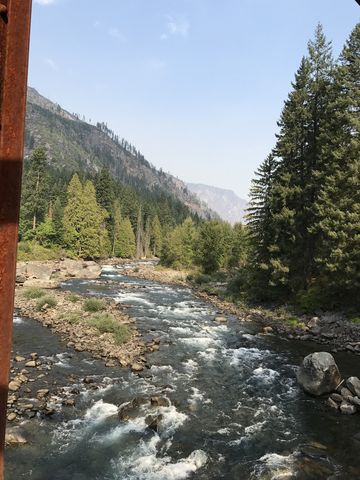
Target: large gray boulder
319	374
39	271
353	384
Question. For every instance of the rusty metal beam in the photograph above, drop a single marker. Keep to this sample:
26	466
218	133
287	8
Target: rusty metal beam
14	51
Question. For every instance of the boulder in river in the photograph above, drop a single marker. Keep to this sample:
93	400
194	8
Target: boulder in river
353	384
14	436
319	374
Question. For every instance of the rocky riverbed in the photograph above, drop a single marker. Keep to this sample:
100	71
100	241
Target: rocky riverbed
30	394
217	399
326	328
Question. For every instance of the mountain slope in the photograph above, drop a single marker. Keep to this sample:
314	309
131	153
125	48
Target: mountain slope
73	144
226	203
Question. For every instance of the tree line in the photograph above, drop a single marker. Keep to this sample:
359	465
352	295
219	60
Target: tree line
92	215
304	215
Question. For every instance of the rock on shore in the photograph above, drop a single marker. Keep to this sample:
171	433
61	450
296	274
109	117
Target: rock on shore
319	374
48	274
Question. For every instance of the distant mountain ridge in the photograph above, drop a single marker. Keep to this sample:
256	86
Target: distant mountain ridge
224	202
74	144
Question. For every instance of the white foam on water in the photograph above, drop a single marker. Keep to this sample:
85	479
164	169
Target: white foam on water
224	431
149	466
199	342
257	427
248	336
191	366
18	320
196	397
274	466
100	411
171	419
63	360
161	369
181	330
127	297
238	355
209	355
108	268
136	425
267	375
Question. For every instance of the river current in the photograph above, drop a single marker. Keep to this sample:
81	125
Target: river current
235	410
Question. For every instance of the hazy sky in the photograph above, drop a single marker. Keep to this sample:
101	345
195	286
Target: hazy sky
197	85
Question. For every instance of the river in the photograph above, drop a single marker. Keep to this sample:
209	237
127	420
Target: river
235	410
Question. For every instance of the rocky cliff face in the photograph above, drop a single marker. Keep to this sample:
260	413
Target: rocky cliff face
225	203
75	144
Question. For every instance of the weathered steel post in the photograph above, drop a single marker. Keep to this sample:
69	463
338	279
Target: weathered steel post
14	52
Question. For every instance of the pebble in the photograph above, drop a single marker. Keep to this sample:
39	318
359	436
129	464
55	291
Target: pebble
137	367
14	386
19	358
30	364
347	408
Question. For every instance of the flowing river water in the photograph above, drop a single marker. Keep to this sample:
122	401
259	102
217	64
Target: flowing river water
235	410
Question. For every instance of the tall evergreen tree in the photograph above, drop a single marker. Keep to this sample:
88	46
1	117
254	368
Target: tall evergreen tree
139	235
156	236
211	246
179	246
35	191
337	205
83	221
126	247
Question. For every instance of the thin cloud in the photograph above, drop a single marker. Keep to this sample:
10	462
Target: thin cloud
45	2
115	33
52	64
176	26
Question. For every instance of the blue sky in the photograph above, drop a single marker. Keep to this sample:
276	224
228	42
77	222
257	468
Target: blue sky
197	85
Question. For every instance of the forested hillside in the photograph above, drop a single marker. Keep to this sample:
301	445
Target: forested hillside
91	215
73	144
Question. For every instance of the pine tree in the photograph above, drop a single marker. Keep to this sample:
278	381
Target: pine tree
337	205
126	246
211	246
291	244
156	236
139	235
84	221
116	229
147	237
179	246
35	191
261	227
238	246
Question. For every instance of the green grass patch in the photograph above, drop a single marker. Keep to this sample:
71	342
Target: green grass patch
294	322
31	250
93	305
107	323
33	292
46	300
356	320
73	318
71	297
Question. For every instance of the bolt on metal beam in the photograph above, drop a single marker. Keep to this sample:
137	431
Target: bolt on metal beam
14	52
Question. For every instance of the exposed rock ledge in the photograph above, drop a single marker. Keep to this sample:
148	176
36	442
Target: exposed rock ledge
50	273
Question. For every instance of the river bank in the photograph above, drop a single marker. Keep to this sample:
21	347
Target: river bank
101	328
326	328
219	399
